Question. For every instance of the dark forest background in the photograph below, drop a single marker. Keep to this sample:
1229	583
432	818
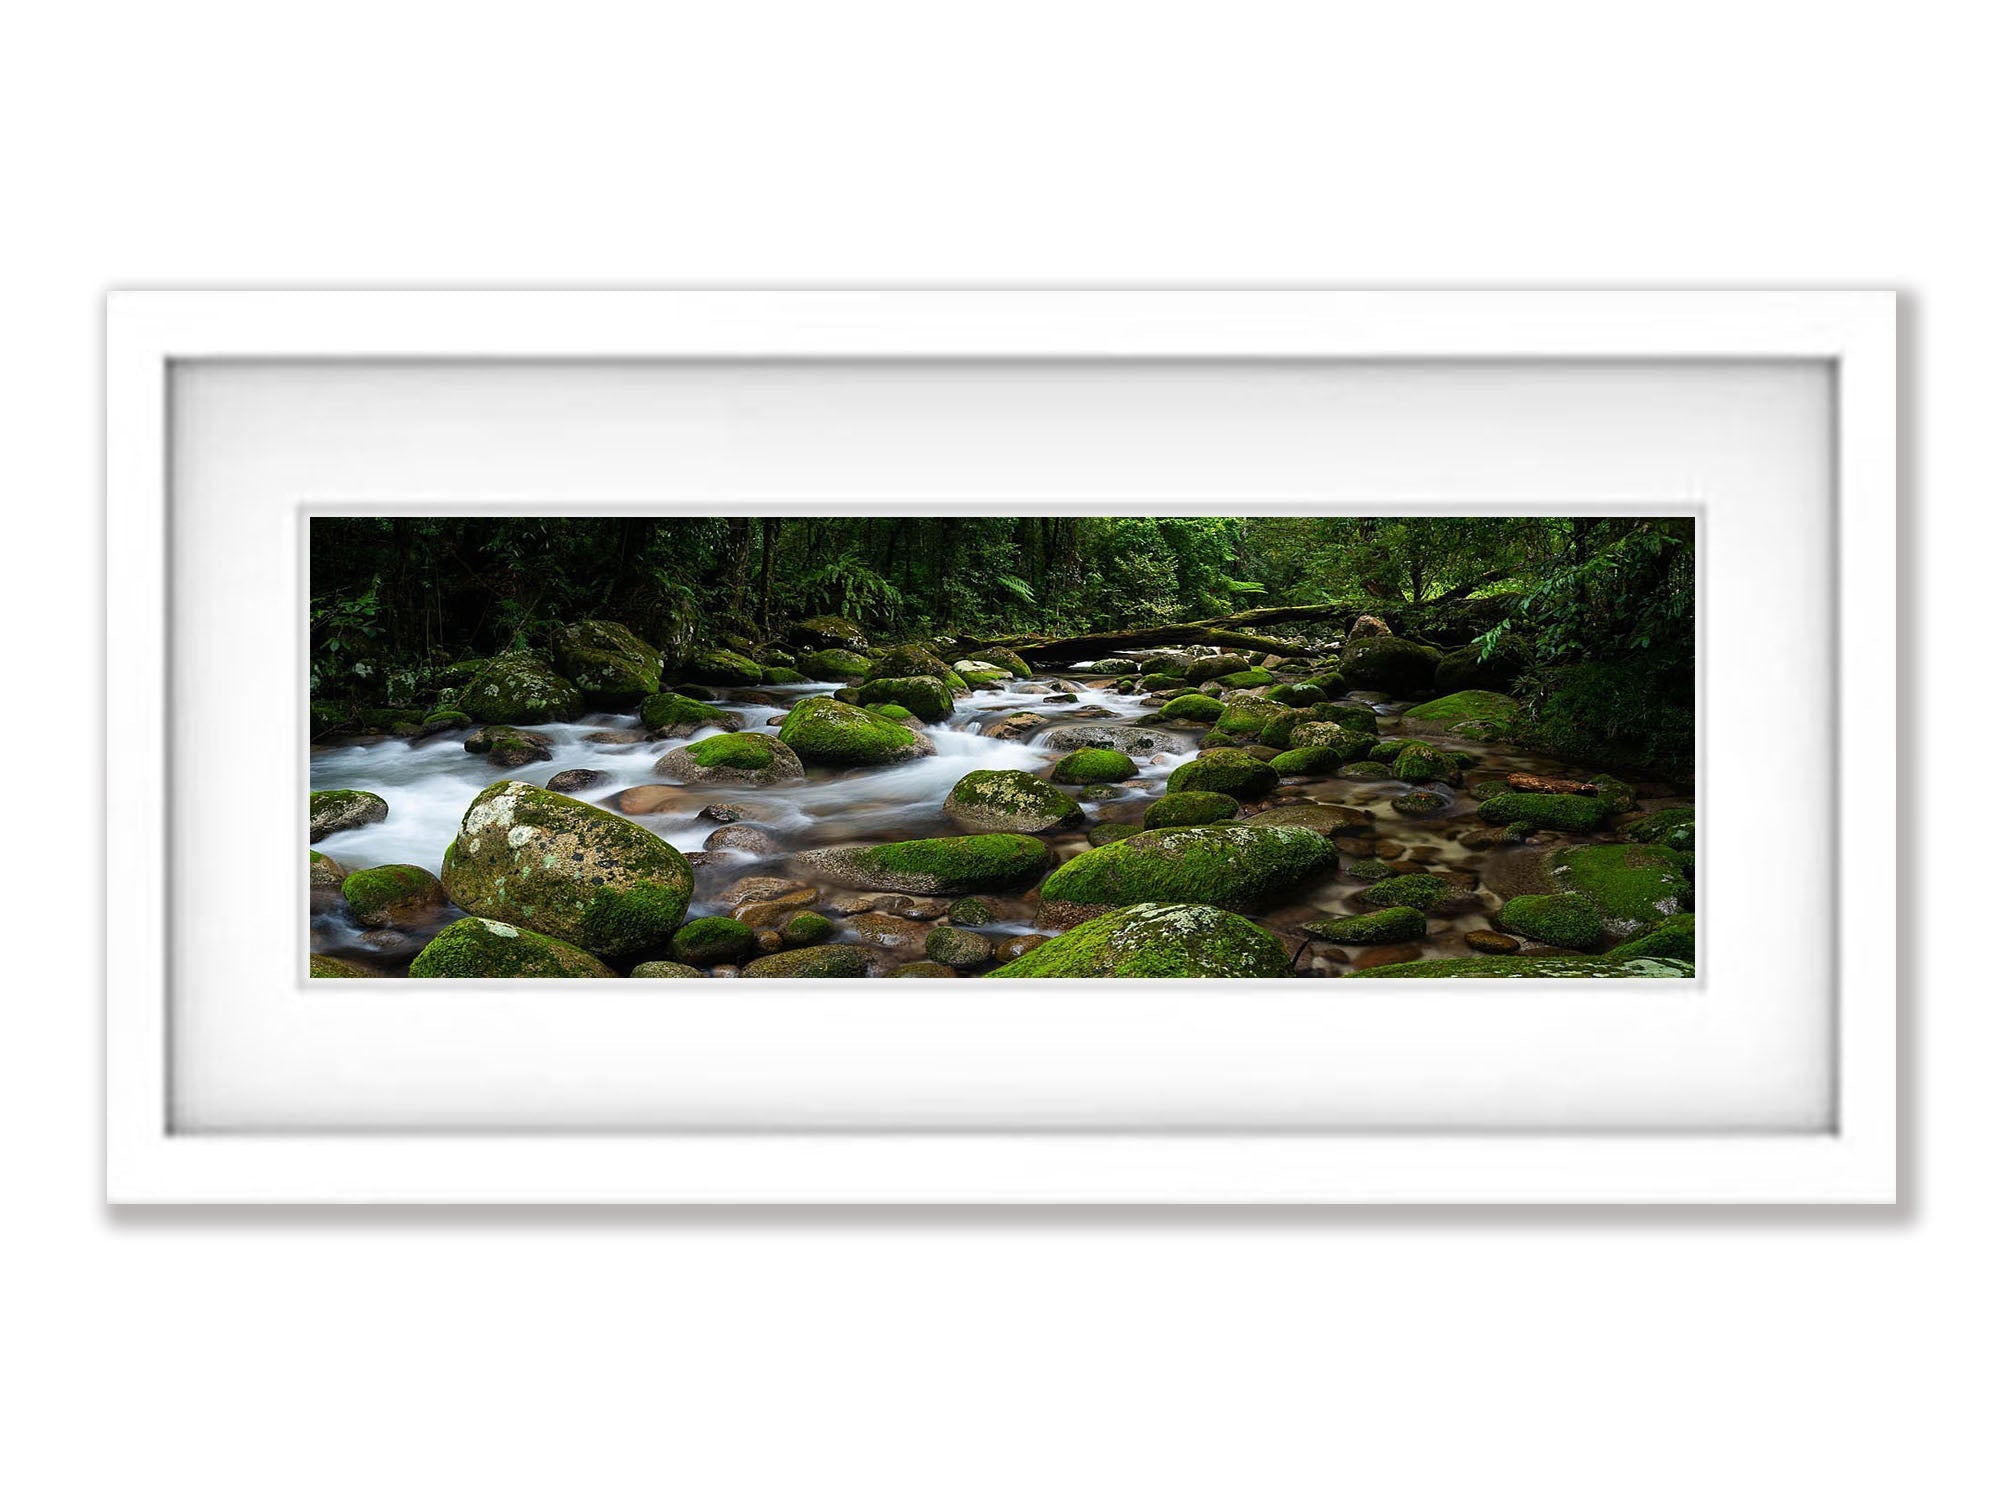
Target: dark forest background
1589	620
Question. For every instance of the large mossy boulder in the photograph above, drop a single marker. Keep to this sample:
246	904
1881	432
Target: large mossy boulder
960	866
824	632
1471	714
1392	924
747	759
1346	744
1191	809
1202	669
1633	886
1009	802
1156	940
1416	761
1403	668
482	948
909	661
1093	767
675	716
337	811
1670	827
1200	708
1010	661
518	688
1231	865
825	732
708	941
1552	967
1558	810
1673	938
392	895
610	665
824	961
1469	668
1567	920
1242	776
576	872
718	667
834	664
1328	819
926	697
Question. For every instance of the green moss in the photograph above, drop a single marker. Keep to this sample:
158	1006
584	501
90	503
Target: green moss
1473	709
958	948
1367	770
1330	684
321	871
1672	827
1280	727
480	948
1486	791
673	711
979	680
444	719
1390	663
840	734
1613	793
783	676
1202	669
926	697
1161	682
1567	920
1081	767
1673	938
1191	809
1394	924
1010	802
1560	811
824	961
516	688
1255	677
1232	865
1297	694
1156	941
1416	761
806	929
338	810
1110	833
1355	716
1198	707
386	895
1307	760
1243	777
324	966
1421	891
1420	804
834	664
724	669
708	941
1370	870
737	752
1607	967
1346	744
610	665
923	968
1633	886
910	660
975	862
660	968
894	712
970	911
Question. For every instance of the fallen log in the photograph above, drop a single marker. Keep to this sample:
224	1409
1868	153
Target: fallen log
1524	781
1237	632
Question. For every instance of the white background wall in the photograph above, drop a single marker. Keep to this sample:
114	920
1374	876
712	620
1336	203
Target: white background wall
1446	1353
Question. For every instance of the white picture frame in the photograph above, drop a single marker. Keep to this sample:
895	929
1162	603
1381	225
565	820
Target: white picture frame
150	1159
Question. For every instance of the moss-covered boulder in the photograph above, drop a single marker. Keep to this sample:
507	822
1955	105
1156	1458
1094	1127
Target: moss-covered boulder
1083	767
610	665
1673	938
1253	677
1469	667
910	660
1633	886
1200	708
747	759
1156	940
1557	810
823	961
1566	920
1231	865
821	632
960	866
1244	777
1551	967
708	941
825	732
1416	761
518	688
718	667
578	873
661	968
926	697
482	948
1308	760
1201	669
806	929
1615	794
1355	716
1191	809
322	872
1009	802
326	966
509	748
1471	714
1367	770
1392	924
1346	744
1426	892
1161	682
1327	819
1000	656
958	949
392	895
337	811
1391	664
675	716
1670	827
833	664
1296	694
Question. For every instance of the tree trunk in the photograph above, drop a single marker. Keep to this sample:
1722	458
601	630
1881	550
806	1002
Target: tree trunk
1230	632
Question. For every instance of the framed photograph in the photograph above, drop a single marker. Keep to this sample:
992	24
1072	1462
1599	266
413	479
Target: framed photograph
1263	736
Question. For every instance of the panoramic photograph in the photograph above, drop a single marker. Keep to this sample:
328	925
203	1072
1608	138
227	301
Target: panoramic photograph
1007	747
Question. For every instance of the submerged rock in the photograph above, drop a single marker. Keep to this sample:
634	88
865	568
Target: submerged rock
1009	802
337	811
934	867
1155	940
581	874
482	948
827	732
745	759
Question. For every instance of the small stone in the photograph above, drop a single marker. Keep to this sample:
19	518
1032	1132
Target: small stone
726	812
1485	940
569	783
744	839
955	946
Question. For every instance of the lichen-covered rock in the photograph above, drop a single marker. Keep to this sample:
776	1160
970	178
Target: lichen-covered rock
1154	940
959	949
969	911
509	748
926	697
1191	809
1390	663
1345	743
1126	738
1673	938
610	665
517	688
586	876
1566	920
482	948
1633	886
675	716
392	895
1009	802
834	664
1244	777
325	966
1607	967
720	668
1671	827
1557	810
1231	865
747	759
1328	819
960	866
825	732
1416	761
1011	661
823	961
322	871
661	968
1200	708
1082	767
708	941
337	811
1393	924
1421	804
820	632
